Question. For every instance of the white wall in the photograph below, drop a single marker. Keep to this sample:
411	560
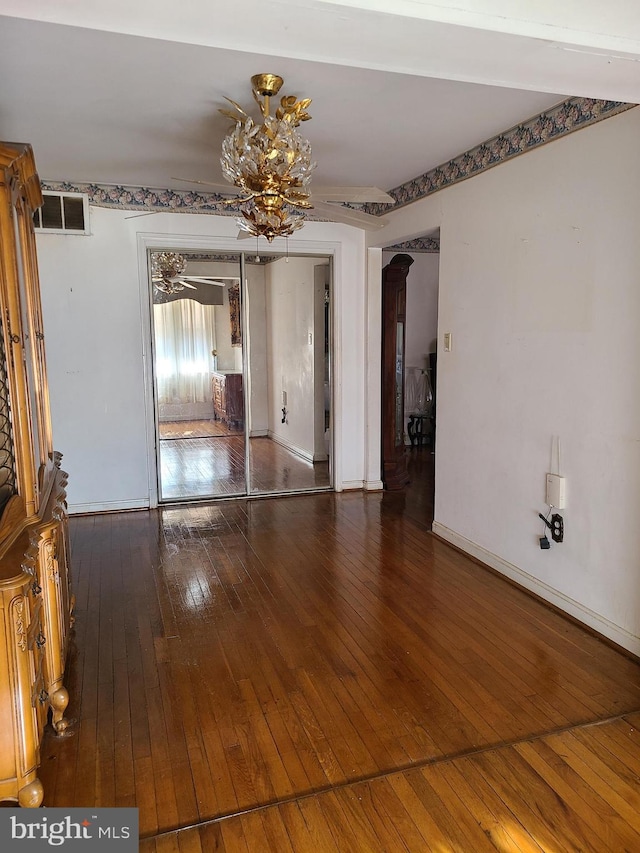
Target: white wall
539	287
94	344
257	342
96	325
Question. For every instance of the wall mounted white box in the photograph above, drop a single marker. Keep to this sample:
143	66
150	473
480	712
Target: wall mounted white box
556	491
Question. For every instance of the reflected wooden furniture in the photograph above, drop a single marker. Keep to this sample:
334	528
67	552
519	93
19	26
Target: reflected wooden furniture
394	300
35	600
420	429
228	403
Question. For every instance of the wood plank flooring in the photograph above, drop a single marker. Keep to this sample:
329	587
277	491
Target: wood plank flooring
215	466
319	672
201	428
572	791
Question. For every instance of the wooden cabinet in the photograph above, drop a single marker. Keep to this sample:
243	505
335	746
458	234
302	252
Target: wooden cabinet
228	402
394	299
35	598
22	696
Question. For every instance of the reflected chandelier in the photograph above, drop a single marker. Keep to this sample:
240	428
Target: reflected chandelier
270	162
166	270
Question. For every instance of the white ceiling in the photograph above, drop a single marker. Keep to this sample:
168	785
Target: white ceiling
114	107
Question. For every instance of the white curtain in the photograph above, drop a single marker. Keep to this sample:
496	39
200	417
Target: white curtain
185	334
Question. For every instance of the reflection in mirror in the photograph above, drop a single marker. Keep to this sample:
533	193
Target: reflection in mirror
288	359
220	347
399	383
198	385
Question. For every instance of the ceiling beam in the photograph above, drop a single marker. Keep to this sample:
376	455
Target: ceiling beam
586	48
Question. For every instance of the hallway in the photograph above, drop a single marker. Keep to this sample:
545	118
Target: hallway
321	673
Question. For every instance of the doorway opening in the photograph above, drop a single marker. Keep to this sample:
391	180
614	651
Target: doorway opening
419	373
242	377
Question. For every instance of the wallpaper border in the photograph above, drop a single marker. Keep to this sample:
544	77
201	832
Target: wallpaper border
567	117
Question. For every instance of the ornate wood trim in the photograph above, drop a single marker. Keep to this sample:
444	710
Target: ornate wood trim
19	623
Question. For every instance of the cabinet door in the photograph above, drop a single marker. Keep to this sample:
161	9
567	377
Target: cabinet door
33	619
234	400
22	320
219	397
8	485
22	694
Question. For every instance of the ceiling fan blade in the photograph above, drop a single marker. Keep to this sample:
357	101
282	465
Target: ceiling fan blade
353	194
244	235
203	280
337	213
138	215
185	283
221	189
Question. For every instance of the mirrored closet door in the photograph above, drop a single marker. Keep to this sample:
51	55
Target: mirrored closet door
242	376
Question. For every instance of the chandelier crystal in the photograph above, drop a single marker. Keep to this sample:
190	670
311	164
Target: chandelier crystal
270	162
166	268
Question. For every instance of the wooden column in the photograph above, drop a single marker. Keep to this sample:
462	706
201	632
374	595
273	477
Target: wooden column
394	300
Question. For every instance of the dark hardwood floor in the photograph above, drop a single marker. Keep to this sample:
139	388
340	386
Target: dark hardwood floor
415	501
320	673
214	466
201	428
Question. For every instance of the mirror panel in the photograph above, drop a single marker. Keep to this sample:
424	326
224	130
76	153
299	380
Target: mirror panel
288	357
242	378
199	385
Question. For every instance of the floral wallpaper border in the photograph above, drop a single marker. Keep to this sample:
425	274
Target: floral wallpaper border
418	244
228	257
146	199
567	117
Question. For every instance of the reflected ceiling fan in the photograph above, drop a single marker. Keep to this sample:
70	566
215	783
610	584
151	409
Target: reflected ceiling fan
168	273
268	165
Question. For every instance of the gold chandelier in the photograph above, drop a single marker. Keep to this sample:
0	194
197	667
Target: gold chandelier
269	162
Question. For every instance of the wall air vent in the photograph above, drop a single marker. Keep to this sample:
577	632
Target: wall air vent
63	213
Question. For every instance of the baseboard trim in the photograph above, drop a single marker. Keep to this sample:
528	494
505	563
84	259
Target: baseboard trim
108	506
351	485
618	635
360	485
292	448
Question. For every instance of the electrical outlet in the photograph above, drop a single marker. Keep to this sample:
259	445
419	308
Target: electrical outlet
557	527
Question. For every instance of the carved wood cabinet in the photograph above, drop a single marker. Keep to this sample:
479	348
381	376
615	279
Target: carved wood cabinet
35	599
228	402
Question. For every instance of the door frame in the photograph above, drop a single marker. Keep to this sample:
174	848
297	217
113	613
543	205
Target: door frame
158	241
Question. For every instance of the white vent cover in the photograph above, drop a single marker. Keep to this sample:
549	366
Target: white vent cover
66	213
